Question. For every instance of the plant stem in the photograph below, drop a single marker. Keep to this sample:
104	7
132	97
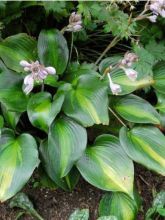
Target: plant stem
112	44
71	47
42	86
35	214
117	117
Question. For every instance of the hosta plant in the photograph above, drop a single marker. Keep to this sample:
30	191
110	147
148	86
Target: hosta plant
52	97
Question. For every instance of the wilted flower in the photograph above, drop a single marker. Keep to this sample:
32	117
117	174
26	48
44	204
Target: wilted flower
115	88
129	59
38	73
75	23
132	74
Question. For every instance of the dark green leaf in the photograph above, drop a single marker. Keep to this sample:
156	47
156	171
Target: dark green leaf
78	214
53	49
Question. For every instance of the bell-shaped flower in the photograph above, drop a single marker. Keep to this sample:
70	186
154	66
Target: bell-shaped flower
75	23
153	18
129	59
131	73
37	73
115	88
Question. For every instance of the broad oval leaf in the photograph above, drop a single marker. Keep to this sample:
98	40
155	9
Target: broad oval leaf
53	49
159	77
66	143
145	145
10	117
78	214
136	109
42	110
87	101
106	166
11	94
18	47
18	159
69	181
118	204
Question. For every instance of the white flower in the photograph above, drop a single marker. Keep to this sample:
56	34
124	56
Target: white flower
28	84
132	74
115	88
75	23
37	73
152	18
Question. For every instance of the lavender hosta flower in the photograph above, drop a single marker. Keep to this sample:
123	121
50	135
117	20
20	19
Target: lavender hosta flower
115	88
129	59
158	8
37	73
131	74
75	23
153	18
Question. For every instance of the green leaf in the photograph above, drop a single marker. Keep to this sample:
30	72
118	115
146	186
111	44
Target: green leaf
119	77
11	94
22	201
18	159
66	142
53	50
118	204
111	217
137	110
42	110
159	77
159	200
161	102
145	145
156	49
78	214
161	211
10	117
16	48
1	122
87	101
69	181
106	166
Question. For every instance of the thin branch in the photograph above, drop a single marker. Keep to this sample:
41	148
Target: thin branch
117	117
112	44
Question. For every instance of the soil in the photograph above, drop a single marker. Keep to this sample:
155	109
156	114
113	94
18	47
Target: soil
58	205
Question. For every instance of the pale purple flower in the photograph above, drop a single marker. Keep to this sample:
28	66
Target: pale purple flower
131	73
129	59
115	88
152	18
75	23
37	73
158	8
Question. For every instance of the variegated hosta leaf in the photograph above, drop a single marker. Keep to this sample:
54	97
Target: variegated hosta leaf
159	77
69	181
53	49
18	159
87	101
66	143
145	145
118	204
78	214
136	109
11	117
15	48
11	94
106	166
119	77
128	86
42	110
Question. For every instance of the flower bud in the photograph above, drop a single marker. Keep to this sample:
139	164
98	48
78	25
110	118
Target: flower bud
152	18
50	70
24	63
77	27
115	88
132	74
